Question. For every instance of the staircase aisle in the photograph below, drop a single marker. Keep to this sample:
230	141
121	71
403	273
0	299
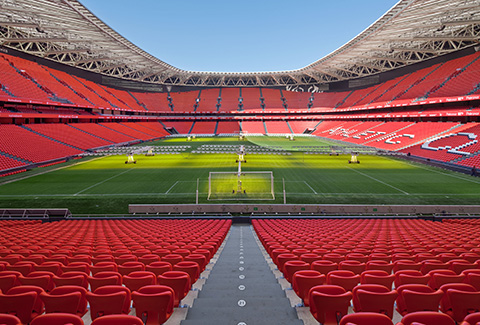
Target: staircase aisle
241	288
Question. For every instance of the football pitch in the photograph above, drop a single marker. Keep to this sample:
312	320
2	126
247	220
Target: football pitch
106	185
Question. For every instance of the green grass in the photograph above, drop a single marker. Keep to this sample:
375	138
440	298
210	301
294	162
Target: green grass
108	185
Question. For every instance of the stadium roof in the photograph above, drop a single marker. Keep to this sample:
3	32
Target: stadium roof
412	31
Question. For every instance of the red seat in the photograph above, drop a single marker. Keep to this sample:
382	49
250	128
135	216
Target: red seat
346	279
200	259
421	301
377	277
379	302
463	303
136	280
427	318
406	265
57	319
472	279
7	319
441	277
290	267
103	267
283	258
82	305
54	267
8	281
172	258
114	289
71	278
430	265
303	281
154	304
366	287
148	258
445	304
410	277
20	305
38	307
380	265
104	278
61	303
329	303
177	280
159	267
471	319
422	288
324	266
354	266
42	279
129	267
192	268
118	320
366	318
105	304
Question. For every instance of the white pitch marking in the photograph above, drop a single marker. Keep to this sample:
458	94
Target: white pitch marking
310	187
105	180
371	177
171	187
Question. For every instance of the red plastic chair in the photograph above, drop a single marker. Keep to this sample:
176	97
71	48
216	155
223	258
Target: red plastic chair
114	289
105	304
431	265
57	319
8	281
71	278
20	305
82	305
329	303
118	320
366	318
192	268
159	267
283	258
459	266
136	280
61	303
379	302
426	318
104	278
290	267
377	277
103	267
172	258
148	258
463	303
445	304
406	265
42	279
354	266
154	304
471	319
38	307
7	319
472	279
380	265
200	259
324	266
54	267
367	287
303	281
421	301
177	280
346	279
410	277
128	267
441	277
422	288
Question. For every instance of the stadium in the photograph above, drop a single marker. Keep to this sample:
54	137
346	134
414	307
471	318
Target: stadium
135	192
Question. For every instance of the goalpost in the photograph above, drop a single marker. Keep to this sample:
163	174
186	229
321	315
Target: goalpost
252	185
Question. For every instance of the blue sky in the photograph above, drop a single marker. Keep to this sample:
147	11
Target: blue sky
239	36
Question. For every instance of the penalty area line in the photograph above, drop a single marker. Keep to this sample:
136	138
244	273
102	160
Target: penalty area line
310	187
171	187
381	182
105	180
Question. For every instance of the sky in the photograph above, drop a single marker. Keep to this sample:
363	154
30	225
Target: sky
239	36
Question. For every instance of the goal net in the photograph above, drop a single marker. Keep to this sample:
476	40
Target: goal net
240	186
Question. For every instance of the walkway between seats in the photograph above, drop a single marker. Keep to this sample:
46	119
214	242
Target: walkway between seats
241	289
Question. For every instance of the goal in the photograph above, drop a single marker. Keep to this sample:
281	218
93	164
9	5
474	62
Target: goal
252	185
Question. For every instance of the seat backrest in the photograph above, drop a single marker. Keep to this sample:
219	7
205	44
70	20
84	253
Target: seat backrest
329	308
153	308
421	301
61	303
106	304
20	304
82	306
427	317
381	302
117	288
7	319
57	319
366	318
118	320
463	303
